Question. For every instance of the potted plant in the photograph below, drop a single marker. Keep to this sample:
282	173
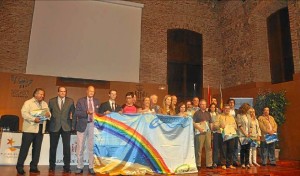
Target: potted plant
277	102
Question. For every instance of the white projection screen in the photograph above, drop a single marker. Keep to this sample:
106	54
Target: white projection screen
97	40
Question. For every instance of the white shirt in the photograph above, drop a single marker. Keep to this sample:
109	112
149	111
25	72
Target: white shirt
232	112
245	119
92	102
112	104
61	101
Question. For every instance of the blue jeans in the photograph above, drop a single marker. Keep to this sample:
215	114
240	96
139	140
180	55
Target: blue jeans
235	154
267	150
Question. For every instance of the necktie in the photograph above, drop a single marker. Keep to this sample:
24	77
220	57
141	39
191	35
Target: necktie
90	108
113	107
61	103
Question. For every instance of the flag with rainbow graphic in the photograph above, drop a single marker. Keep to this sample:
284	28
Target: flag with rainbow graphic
139	144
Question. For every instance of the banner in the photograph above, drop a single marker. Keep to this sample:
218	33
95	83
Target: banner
143	144
241	100
11	143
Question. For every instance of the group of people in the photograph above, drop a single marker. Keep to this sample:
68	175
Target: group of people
64	117
230	131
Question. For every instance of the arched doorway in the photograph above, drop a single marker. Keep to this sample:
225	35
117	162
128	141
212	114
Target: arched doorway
184	63
280	46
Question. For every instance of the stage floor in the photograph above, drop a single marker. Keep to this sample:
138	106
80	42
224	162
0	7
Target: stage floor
289	168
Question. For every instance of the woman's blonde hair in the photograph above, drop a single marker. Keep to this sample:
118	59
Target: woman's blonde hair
164	106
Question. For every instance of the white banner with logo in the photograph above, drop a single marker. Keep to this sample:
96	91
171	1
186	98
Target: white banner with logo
140	144
11	143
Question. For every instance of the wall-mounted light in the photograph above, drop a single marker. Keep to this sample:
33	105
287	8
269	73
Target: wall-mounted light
162	87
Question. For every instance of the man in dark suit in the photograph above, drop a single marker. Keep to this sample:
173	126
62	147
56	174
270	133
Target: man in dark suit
62	109
85	109
110	105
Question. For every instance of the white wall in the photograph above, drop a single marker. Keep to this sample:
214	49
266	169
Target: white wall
86	39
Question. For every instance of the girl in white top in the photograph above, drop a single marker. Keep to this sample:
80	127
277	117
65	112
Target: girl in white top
255	135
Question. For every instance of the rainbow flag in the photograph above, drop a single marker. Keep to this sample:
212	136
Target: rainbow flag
140	144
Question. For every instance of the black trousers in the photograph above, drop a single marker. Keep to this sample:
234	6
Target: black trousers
217	147
245	149
227	154
54	138
36	139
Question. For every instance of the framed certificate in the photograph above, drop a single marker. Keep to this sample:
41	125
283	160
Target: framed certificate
39	112
229	132
203	125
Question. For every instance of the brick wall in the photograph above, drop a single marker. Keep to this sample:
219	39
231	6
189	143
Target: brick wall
237	53
245	40
15	27
294	15
235	45
159	16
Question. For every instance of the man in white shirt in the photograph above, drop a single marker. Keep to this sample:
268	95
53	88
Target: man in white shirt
35	111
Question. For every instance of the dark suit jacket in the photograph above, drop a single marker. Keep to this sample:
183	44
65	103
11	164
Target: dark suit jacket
61	118
236	113
81	113
106	107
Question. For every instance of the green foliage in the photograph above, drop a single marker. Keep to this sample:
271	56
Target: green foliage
276	102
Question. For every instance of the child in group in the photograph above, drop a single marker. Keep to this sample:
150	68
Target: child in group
255	135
